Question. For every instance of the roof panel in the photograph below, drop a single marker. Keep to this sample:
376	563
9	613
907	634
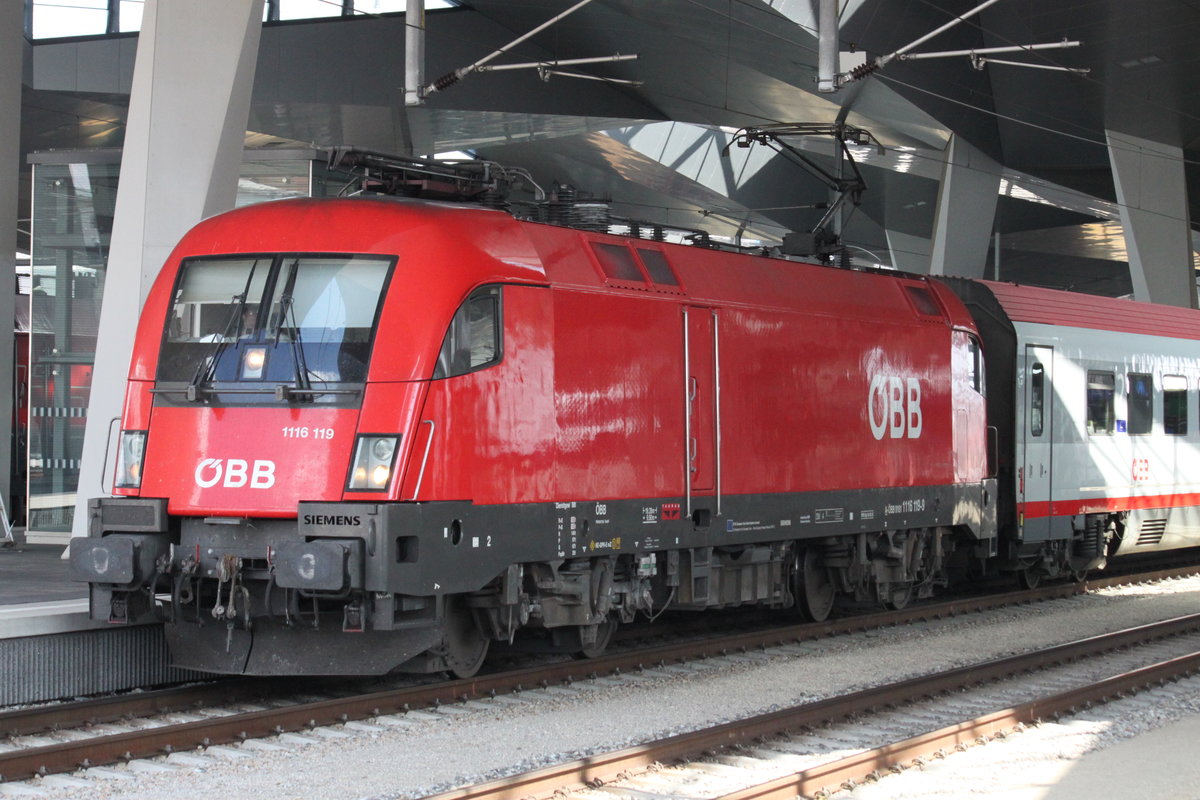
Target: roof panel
1055	307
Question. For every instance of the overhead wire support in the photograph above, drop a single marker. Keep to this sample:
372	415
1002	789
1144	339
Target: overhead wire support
979	57
451	78
883	60
975	55
984	51
979	62
547	68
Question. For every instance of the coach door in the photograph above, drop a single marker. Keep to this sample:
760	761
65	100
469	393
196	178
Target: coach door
701	444
1038	435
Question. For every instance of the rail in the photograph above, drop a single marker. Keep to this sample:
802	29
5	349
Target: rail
602	768
24	763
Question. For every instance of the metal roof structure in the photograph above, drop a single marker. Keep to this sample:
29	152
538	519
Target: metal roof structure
649	131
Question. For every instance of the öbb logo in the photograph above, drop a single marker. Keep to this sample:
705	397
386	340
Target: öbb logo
894	406
234	473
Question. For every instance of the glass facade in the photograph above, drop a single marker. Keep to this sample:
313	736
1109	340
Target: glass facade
73	207
52	19
49	19
74	197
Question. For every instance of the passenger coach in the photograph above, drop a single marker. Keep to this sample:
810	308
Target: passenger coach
1095	400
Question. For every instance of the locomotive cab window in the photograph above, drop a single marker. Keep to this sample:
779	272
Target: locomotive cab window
1100	391
281	319
473	341
1175	405
1141	403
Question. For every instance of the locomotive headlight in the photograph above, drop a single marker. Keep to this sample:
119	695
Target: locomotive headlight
382	449
129	459
253	361
379	476
374	458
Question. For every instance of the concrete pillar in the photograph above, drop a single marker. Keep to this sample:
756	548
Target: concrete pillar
12	49
1152	197
909	253
183	147
965	212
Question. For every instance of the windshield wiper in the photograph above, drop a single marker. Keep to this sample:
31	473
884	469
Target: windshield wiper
300	371
287	310
207	368
208	365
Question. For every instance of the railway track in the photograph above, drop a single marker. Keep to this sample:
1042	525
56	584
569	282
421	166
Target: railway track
831	744
78	721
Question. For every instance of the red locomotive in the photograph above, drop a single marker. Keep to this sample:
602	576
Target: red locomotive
369	434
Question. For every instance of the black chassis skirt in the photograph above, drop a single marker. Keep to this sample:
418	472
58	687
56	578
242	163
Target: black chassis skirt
274	649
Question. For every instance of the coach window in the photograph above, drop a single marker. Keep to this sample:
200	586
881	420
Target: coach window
1141	403
1100	390
473	340
1175	408
1037	399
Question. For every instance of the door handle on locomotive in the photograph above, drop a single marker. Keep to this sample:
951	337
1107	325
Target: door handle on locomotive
428	443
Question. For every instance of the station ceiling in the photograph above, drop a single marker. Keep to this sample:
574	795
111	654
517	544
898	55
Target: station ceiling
706	67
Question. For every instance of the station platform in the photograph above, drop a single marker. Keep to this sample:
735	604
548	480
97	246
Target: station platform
37	595
33	573
35	584
51	649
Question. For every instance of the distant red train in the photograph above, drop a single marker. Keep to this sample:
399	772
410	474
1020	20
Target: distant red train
371	434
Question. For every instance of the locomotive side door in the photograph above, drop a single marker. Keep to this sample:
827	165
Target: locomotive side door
1037	435
701	446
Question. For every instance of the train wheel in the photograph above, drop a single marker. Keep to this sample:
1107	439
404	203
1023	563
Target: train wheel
1029	578
811	584
604	633
897	597
466	645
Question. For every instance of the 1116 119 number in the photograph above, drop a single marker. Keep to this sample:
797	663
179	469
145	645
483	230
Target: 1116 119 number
305	432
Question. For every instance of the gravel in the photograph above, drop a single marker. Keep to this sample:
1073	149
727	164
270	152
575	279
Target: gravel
422	752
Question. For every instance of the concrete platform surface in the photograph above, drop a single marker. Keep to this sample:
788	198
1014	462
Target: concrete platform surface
37	596
36	573
1164	762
